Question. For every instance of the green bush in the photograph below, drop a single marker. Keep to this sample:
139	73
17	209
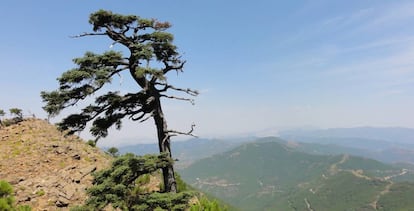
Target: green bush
122	187
24	208
181	185
91	143
113	151
17	112
7	198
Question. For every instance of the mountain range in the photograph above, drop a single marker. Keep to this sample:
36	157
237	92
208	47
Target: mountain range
334	169
389	145
272	174
186	152
396	135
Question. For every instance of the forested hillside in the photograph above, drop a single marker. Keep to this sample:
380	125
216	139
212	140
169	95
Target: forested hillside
271	174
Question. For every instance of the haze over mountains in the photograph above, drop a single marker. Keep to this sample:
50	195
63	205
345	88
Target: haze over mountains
395	135
391	145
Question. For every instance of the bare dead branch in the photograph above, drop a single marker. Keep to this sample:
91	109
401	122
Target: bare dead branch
179	98
189	133
168	86
88	34
171	133
188	91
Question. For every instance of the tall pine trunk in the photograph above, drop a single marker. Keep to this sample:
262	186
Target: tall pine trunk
170	184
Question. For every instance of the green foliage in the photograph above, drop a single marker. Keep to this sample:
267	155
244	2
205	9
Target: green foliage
339	192
40	192
118	184
151	55
6	196
163	201
113	151
91	143
399	198
122	187
2	113
24	208
365	164
147	41
7	199
275	176
17	112
143	179
181	185
103	18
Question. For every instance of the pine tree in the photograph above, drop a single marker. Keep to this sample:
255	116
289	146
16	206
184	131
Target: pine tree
151	55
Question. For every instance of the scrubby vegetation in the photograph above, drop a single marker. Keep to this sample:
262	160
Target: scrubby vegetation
7	202
126	185
17	113
16	116
113	151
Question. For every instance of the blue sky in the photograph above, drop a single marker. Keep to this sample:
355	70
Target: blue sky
260	65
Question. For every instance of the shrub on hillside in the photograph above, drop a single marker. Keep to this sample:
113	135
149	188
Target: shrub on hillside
91	143
16	114
113	151
7	198
124	186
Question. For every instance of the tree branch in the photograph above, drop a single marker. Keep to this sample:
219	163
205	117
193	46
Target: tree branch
169	67
189	133
142	117
168	86
175	133
179	98
87	34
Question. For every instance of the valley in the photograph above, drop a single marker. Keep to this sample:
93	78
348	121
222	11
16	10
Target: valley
297	173
270	174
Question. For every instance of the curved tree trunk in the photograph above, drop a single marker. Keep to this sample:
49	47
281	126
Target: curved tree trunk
170	184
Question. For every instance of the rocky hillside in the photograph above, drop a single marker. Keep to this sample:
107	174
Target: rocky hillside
47	170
